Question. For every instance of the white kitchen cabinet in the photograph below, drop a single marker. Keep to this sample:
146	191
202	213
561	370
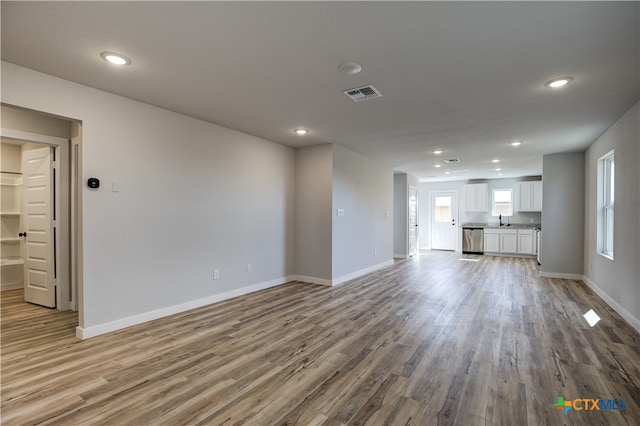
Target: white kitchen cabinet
491	241
530	196
508	241
526	241
500	240
476	197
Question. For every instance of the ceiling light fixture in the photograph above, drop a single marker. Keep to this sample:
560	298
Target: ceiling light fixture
349	68
301	131
516	143
558	82
438	165
498	169
495	160
115	58
437	152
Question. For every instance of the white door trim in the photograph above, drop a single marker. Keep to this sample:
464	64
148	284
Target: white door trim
64	232
416	227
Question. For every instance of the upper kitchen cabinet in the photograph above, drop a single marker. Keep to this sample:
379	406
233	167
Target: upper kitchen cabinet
530	196
476	197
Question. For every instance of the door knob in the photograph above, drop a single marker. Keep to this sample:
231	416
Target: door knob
22	234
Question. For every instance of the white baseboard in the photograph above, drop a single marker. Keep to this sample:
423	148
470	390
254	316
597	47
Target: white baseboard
400	256
311	280
96	330
561	276
343	279
362	272
633	321
12	286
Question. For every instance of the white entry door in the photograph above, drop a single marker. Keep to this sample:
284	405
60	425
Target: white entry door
413	220
444	211
37	223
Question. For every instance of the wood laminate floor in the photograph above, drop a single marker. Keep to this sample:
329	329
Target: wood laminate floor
431	340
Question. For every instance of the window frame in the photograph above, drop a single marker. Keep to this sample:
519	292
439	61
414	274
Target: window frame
606	203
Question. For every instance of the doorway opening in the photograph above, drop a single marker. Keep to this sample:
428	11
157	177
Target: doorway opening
40	205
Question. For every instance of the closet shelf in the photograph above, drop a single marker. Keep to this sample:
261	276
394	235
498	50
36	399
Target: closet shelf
8	261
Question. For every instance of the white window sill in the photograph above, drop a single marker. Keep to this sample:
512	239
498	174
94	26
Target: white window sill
606	256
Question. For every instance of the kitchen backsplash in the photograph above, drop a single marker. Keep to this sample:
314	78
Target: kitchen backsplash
518	217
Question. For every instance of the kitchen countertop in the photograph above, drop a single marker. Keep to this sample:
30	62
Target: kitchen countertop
495	225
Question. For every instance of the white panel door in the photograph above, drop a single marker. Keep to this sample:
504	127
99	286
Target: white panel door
38	226
443	220
413	220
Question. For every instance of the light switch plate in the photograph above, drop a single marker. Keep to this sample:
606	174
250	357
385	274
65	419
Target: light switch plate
340	212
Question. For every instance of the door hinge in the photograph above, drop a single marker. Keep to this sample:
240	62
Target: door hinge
53	223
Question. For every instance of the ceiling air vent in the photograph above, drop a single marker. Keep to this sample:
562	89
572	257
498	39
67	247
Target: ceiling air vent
362	93
452	160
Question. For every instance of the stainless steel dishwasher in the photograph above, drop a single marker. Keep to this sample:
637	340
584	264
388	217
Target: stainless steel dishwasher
473	240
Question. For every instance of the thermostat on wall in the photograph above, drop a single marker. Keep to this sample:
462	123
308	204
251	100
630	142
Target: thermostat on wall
93	183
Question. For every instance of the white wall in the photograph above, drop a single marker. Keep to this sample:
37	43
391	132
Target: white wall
28	121
617	280
10	158
363	237
194	196
562	215
314	185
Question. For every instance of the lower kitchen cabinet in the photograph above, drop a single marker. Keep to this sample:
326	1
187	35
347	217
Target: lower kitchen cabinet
509	241
526	241
491	242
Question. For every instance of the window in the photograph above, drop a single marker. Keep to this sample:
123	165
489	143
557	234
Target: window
606	189
502	202
443	209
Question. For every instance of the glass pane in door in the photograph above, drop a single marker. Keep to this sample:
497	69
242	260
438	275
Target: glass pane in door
443	209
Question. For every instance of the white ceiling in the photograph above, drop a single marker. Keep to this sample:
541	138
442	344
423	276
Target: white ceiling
464	77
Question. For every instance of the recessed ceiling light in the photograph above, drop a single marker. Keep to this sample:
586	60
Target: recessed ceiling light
558	82
437	152
516	143
495	160
438	165
349	68
301	131
498	169
500	174
115	58
447	173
